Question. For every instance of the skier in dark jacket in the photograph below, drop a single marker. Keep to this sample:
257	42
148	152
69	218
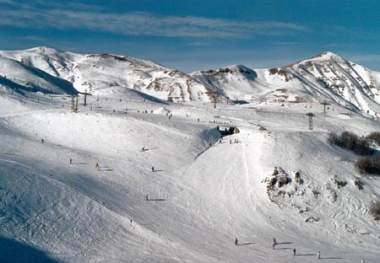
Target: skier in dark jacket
274	244
236	241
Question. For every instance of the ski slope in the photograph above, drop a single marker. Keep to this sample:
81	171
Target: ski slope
205	191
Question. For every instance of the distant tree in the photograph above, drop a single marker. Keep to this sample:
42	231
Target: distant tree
351	141
374	137
369	165
374	210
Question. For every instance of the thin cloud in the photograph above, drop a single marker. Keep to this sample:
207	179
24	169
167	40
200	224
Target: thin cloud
143	24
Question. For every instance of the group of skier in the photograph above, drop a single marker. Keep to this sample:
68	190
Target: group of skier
275	243
234	141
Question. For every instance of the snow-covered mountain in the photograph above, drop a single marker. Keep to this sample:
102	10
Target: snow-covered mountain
124	179
323	77
235	82
335	78
105	74
326	77
20	77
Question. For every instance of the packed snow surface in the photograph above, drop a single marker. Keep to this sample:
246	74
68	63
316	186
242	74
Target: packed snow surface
204	192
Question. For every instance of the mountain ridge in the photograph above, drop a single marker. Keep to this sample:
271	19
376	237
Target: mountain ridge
326	76
104	74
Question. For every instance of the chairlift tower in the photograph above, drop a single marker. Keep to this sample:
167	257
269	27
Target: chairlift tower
325	104
74	103
310	115
85	93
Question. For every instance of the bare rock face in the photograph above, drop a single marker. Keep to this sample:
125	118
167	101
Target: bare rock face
293	191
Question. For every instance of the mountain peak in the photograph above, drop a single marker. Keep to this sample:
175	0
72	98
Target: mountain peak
330	55
326	56
322	57
239	67
231	69
44	50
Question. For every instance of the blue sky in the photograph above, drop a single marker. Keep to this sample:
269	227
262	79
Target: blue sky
195	34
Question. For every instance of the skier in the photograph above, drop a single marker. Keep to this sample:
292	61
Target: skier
236	241
42	140
319	255
147	197
97	165
274	244
294	252
71	161
143	149
152	169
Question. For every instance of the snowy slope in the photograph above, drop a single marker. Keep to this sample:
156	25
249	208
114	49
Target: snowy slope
202	194
18	77
105	74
